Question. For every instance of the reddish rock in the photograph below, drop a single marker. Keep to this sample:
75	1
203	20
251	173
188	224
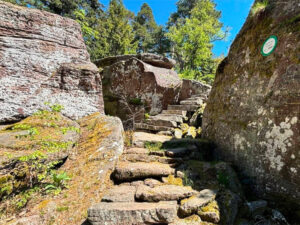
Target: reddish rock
34	47
193	87
253	111
141	85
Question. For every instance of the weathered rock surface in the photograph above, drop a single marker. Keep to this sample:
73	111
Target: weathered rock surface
191	88
132	213
192	220
141	86
193	204
122	193
43	58
152	59
163	193
253	110
130	171
29	143
210	212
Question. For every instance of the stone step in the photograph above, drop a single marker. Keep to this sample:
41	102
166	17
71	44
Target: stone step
144	126
163	193
167	117
120	193
191	102
139	138
161	123
151	158
121	213
174	112
189	108
137	151
126	171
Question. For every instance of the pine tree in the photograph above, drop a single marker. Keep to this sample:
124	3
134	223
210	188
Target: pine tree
120	35
145	28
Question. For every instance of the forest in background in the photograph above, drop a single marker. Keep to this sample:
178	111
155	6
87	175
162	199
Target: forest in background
188	36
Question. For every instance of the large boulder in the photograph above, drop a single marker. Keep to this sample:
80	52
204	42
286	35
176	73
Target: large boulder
132	87
43	58
253	110
193	87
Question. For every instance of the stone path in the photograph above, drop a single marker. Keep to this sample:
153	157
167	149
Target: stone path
172	117
150	188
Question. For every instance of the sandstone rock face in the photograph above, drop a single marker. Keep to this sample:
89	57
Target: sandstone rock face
193	87
43	58
253	110
138	85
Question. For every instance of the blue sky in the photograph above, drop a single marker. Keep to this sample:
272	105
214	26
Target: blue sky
234	13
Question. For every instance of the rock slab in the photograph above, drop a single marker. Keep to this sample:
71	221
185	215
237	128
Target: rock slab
132	213
43	58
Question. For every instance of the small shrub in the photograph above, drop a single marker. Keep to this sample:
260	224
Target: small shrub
259	6
59	182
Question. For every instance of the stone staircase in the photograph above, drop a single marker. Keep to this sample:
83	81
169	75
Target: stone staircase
172	117
148	186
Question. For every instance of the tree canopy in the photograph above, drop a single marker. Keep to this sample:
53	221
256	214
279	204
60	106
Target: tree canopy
188	36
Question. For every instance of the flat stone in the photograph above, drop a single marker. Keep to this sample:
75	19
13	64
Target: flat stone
131	171
136	151
164	193
126	213
256	208
139	138
192	101
189	108
174	112
161	122
151	158
193	204
121	193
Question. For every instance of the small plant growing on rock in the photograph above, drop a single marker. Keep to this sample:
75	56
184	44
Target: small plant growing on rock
55	107
259	6
59	182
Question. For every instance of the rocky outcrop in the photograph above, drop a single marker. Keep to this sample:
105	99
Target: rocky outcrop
193	87
48	143
253	110
43	58
132	87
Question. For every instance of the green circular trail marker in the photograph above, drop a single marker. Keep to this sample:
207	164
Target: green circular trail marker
269	45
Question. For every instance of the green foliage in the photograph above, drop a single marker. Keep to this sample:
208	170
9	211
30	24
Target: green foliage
31	130
64	130
33	156
154	146
62	208
192	38
58	182
120	35
147	116
259	6
135	101
23	198
55	107
55	146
